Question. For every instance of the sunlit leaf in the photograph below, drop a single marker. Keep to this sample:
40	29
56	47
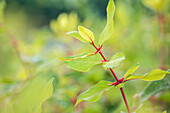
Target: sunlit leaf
164	111
108	30
114	61
77	35
86	34
94	93
156	74
82	62
131	69
153	88
156	5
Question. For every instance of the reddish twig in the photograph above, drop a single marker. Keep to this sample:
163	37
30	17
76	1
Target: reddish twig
118	82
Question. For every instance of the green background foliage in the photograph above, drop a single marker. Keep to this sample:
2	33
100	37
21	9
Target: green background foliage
33	35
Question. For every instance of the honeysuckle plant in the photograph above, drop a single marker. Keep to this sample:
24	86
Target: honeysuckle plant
85	61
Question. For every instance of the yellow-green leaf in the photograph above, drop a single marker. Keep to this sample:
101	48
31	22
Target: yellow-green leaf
94	93
86	34
154	75
108	30
76	35
131	69
156	5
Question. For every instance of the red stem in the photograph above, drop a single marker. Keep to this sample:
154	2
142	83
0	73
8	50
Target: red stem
121	89
126	103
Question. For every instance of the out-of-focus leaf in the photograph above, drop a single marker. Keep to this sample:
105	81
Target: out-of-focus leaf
82	62
94	93
132	69
31	98
108	30
156	5
164	112
77	35
2	6
80	56
114	61
156	74
86	34
154	87
120	85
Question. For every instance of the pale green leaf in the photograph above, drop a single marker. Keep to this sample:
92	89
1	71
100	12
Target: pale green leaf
86	34
32	96
94	93
108	30
154	87
156	74
114	61
132	69
76	35
120	85
83	63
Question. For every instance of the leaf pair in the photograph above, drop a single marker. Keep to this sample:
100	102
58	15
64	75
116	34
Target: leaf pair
85	35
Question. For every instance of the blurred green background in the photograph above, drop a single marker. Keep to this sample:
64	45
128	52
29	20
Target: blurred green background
32	36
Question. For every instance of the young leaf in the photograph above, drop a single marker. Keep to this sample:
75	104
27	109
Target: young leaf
108	30
156	74
114	61
86	34
120	85
131	69
82	62
94	93
76	35
153	88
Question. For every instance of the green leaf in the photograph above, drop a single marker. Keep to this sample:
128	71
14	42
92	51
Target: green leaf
120	85
108	30
86	34
83	62
132	69
94	93
76	35
32	96
156	74
114	61
153	88
164	111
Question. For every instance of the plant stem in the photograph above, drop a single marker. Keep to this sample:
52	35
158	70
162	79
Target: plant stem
121	89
